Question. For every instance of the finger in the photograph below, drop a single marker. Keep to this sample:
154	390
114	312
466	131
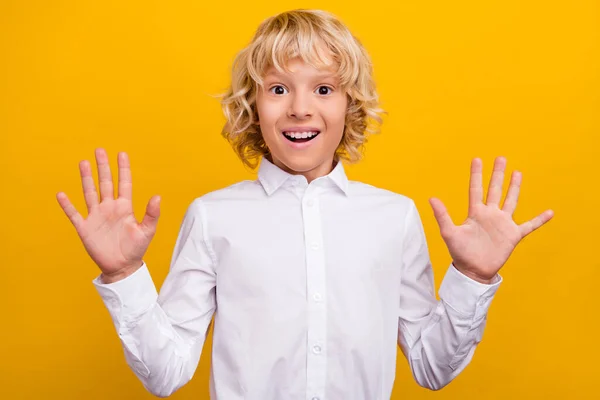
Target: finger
150	219
441	215
495	188
89	187
475	184
124	176
104	175
512	196
533	224
70	210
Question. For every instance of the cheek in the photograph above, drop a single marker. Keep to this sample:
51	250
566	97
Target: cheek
268	113
336	115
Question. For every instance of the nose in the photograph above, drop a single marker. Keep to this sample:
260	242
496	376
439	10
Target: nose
300	105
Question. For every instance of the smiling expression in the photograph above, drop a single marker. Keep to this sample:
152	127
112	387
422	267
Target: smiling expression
302	115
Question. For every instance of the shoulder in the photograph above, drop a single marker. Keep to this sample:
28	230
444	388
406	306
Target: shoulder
361	190
244	190
227	199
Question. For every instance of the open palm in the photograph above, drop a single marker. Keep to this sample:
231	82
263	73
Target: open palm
111	235
484	242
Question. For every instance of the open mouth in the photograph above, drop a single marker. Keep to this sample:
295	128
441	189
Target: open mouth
301	137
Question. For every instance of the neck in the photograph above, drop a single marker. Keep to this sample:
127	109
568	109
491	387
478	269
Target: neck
311	174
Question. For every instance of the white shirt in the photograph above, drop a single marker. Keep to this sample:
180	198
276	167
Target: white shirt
312	287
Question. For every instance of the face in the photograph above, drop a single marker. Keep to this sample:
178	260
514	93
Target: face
301	115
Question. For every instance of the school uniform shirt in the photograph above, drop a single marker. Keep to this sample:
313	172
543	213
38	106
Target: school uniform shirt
312	288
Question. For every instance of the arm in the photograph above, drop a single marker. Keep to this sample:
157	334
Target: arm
163	334
438	338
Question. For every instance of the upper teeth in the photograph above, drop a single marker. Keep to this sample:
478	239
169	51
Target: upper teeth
300	135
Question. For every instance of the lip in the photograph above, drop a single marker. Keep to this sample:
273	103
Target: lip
302	145
300	129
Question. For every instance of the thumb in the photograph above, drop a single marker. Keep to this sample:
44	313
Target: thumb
151	217
441	215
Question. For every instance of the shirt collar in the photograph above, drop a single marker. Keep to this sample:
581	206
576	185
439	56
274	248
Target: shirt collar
272	177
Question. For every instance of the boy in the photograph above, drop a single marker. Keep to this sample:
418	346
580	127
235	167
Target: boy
313	280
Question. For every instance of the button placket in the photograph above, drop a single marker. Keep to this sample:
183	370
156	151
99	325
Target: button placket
316	288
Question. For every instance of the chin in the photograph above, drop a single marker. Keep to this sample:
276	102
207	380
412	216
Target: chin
301	163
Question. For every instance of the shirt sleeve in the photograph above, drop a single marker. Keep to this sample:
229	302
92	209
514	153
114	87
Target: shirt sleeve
438	337
163	334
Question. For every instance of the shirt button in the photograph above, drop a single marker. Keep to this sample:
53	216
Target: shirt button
315	398
317	297
317	349
310	203
315	246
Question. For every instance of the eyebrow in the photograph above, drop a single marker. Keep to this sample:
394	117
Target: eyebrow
317	76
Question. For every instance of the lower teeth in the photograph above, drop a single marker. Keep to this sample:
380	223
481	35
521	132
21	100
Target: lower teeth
297	139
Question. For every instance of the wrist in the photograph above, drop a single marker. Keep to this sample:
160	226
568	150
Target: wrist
476	277
121	274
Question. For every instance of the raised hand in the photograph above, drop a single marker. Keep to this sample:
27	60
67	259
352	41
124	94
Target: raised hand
482	244
111	235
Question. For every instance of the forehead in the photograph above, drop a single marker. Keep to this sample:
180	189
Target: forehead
301	68
314	57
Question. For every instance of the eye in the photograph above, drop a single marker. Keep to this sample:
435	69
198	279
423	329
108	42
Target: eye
324	90
279	90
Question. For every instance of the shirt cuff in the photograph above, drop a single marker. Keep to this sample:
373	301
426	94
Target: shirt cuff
128	297
466	295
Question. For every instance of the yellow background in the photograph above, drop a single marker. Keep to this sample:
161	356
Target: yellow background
458	78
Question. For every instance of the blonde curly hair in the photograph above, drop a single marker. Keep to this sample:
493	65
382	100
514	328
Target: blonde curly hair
291	34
